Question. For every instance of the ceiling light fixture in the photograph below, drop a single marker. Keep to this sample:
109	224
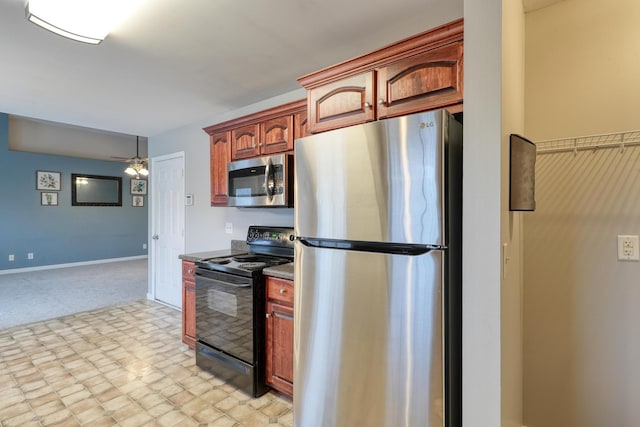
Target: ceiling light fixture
87	21
136	166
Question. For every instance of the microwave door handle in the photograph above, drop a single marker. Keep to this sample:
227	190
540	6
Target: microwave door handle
269	180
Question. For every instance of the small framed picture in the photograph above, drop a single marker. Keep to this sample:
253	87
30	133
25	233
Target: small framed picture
48	181
139	186
138	201
49	199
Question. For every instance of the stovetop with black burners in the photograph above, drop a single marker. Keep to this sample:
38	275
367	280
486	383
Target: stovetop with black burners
268	247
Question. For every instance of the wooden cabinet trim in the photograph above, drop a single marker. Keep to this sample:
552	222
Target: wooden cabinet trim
430	39
271	113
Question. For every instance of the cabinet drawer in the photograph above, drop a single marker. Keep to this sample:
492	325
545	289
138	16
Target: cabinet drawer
280	290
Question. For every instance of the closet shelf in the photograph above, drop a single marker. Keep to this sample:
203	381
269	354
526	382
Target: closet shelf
592	142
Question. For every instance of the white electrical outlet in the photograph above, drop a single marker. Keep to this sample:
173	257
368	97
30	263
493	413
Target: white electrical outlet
628	249
228	228
12	257
30	255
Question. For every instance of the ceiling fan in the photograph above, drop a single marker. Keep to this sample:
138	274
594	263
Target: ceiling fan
137	164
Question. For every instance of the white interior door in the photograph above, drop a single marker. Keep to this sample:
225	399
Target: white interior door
167	230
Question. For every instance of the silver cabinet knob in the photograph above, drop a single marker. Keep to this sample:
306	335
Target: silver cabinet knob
381	101
282	291
367	105
154	237
268	315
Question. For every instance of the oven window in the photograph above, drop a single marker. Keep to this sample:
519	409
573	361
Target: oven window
223	302
247	182
224	313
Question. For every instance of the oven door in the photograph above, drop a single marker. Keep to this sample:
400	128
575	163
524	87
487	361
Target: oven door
224	313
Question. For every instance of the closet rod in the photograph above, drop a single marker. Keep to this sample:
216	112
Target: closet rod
592	142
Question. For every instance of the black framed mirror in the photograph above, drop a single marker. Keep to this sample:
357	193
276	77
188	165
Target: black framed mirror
96	190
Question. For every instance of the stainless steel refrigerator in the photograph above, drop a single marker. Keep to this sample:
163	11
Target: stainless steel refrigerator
377	330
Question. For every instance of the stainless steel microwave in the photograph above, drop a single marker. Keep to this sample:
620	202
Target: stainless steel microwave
265	181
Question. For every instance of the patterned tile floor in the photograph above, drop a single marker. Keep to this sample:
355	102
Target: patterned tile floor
123	365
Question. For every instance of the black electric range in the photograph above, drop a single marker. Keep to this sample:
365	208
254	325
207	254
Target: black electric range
230	308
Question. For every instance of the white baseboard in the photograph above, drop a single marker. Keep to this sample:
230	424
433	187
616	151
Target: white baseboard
71	264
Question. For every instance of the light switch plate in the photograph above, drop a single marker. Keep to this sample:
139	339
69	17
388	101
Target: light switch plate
188	200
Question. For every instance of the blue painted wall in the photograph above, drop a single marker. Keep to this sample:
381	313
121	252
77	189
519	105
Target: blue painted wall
64	233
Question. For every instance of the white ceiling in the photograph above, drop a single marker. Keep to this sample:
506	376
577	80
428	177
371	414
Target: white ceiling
176	62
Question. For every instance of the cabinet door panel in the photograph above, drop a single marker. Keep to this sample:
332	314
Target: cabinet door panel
277	135
188	304
244	142
422	82
220	154
300	125
343	103
279	369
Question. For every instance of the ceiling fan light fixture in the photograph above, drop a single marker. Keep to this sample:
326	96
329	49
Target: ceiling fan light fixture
136	166
86	21
130	171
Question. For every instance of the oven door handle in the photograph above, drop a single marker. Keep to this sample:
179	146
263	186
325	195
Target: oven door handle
224	282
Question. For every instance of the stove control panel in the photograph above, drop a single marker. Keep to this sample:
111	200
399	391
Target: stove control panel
270	236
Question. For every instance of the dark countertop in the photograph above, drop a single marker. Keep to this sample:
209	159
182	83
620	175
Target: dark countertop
199	256
283	271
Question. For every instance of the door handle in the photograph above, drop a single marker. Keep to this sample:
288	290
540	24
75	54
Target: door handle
154	237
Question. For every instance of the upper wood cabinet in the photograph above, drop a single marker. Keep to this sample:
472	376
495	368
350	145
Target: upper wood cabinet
276	135
265	132
346	102
419	73
268	137
244	142
432	79
220	155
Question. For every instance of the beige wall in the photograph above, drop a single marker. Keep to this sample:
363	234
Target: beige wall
491	320
513	40
581	305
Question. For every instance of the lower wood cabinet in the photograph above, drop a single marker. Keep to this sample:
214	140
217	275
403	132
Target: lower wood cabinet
279	331
189	304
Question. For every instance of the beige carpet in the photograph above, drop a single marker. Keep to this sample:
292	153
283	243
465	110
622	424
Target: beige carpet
48	294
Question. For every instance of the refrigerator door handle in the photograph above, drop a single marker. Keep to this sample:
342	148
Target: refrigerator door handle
387	248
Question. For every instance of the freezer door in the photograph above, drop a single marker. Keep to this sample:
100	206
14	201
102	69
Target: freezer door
368	339
380	181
